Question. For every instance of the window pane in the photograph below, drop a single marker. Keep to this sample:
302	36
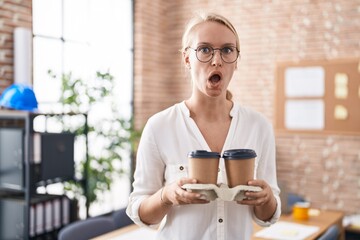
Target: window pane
112	22
122	73
47	56
47	18
76	20
112	45
77	57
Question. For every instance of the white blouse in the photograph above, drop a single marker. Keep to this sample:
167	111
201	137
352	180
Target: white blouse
162	159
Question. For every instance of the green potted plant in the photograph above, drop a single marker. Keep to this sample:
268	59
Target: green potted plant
116	135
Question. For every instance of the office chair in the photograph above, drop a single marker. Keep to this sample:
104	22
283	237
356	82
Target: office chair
288	199
121	219
294	198
332	233
86	229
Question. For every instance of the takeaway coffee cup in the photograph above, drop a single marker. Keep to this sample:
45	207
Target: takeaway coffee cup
239	165
203	166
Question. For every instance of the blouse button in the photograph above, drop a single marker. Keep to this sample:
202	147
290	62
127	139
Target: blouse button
181	168
218	169
220	220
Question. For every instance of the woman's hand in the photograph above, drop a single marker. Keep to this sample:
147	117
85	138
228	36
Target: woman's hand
258	198
174	193
264	201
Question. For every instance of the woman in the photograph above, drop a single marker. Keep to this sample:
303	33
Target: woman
208	120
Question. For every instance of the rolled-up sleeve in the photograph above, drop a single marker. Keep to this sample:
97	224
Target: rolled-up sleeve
273	219
266	170
149	174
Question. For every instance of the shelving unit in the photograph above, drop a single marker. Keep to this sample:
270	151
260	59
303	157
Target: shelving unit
24	213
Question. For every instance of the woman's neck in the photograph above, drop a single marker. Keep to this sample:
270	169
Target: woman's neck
212	109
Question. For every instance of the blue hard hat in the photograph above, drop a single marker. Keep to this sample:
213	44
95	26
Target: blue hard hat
20	97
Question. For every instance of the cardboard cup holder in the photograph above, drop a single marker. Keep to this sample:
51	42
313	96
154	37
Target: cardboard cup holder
211	192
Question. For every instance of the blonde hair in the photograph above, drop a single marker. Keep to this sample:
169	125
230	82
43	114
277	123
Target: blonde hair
207	17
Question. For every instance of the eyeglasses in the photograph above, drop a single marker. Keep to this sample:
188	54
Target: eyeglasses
205	53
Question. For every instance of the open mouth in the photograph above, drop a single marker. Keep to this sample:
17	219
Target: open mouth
214	78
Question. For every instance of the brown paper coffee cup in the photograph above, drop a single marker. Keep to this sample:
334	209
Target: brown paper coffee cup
203	166
239	165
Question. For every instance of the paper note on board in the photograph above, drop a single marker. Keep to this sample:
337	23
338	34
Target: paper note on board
341	86
304	82
287	231
340	112
304	114
140	233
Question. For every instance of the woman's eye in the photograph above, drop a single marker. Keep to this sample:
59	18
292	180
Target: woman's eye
204	50
227	50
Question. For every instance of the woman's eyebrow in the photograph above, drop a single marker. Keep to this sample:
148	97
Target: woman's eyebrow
209	44
203	43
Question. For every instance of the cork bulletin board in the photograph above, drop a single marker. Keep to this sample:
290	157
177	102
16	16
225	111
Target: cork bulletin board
318	96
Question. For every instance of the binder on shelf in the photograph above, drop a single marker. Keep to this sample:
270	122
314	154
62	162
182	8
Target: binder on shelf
57	213
66	211
39	218
32	221
48	216
36	149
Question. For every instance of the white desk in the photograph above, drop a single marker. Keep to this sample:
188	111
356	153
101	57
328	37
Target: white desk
131	232
324	219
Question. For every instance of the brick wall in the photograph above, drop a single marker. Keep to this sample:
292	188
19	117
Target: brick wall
323	168
13	13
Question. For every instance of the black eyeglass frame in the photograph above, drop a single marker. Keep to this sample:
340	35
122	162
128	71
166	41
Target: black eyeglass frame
213	53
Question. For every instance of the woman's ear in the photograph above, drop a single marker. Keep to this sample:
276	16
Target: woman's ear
186	59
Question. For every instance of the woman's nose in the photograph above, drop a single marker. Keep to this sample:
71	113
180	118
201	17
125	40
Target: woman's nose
217	60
